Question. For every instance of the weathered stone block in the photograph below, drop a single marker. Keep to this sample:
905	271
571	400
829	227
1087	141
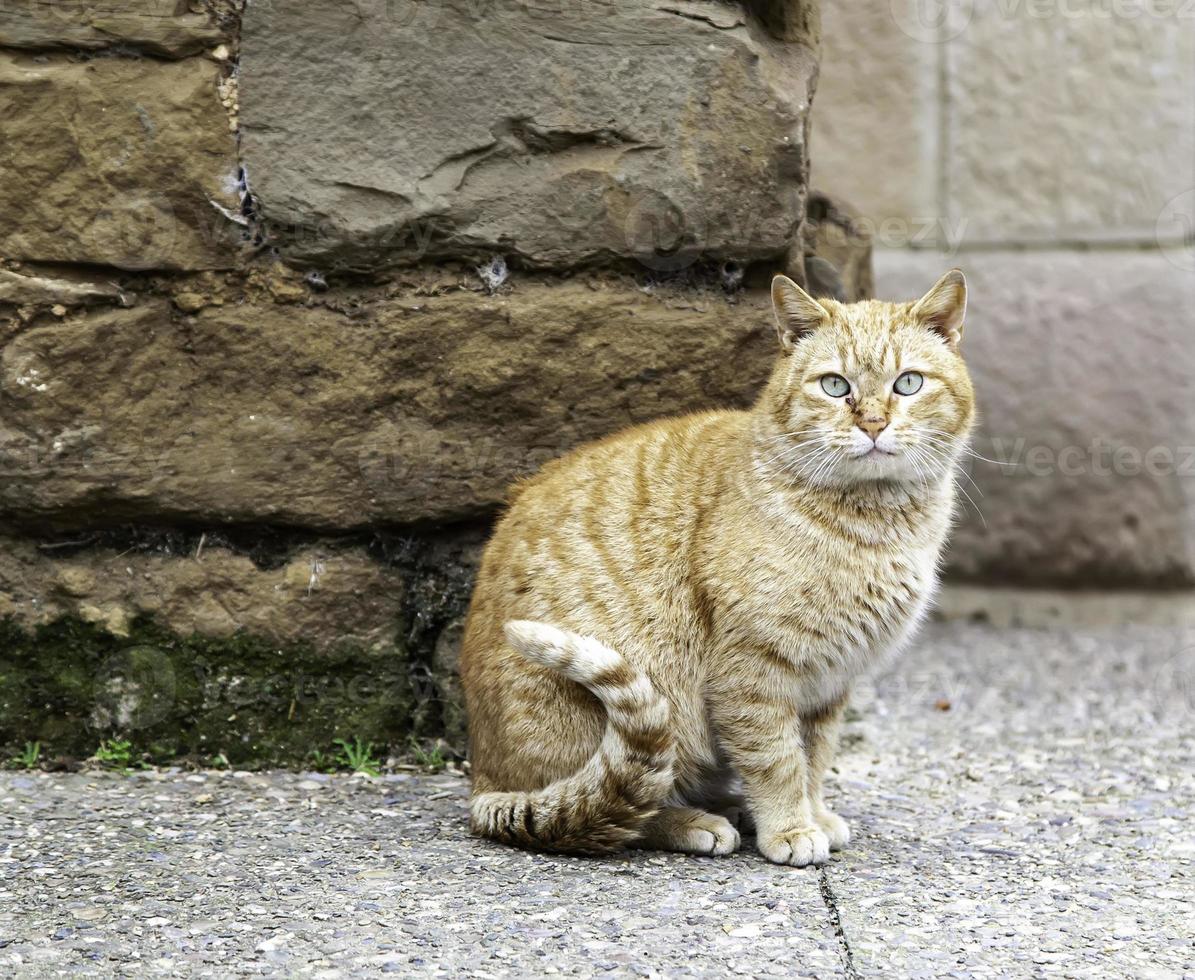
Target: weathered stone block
552	133
1068	121
875	118
320	597
115	161
837	251
33	291
237	700
408	409
1083	366
201	652
162	27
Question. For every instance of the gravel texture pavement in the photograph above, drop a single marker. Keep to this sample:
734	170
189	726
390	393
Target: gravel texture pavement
1021	802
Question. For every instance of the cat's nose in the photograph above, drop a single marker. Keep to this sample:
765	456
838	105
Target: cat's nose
873	425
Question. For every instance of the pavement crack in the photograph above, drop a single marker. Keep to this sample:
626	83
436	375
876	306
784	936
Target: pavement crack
831	903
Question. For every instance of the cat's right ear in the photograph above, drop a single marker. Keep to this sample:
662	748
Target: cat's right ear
797	313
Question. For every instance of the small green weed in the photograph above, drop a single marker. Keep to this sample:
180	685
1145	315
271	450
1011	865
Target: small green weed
115	753
430	759
28	757
357	756
321	761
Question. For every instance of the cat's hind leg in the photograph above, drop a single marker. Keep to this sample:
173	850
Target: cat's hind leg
687	829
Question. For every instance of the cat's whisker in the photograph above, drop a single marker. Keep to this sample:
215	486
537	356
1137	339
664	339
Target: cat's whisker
963	490
967	449
831	458
790	455
788	447
939	454
971	500
808	461
792	447
808	465
924	478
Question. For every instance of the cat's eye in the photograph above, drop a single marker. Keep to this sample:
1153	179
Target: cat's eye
835	385
909	383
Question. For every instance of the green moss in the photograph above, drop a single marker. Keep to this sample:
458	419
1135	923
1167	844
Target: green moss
70	684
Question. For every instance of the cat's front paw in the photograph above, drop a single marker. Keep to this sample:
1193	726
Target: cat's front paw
834	827
800	847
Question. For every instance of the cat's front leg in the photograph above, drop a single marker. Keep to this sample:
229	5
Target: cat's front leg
760	730
819	733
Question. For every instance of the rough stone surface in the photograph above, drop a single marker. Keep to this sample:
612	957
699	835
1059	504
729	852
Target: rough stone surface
256	646
1075	124
1020	797
311	875
240	699
115	162
874	118
1083	367
412	408
836	236
320	596
36	291
446	664
660	130
1071	608
1019	803
161	27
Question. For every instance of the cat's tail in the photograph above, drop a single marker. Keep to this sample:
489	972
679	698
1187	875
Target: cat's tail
602	807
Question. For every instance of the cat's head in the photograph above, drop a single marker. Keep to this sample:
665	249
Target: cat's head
869	390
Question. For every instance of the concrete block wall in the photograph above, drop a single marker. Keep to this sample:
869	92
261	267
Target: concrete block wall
1047	147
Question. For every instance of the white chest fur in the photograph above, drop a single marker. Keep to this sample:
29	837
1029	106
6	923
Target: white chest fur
837	606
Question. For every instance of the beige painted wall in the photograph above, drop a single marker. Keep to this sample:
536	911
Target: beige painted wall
1047	147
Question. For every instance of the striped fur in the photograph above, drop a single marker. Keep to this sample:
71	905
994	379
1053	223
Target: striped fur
602	807
747	567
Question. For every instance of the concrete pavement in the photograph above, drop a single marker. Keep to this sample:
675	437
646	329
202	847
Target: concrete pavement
1020	799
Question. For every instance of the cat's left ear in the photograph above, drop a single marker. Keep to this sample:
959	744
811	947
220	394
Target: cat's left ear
797	313
942	309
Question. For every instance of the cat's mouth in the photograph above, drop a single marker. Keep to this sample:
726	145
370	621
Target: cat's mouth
875	452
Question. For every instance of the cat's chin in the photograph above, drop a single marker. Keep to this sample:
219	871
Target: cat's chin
879	466
878	462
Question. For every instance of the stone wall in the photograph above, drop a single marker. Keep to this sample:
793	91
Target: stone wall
1049	150
290	292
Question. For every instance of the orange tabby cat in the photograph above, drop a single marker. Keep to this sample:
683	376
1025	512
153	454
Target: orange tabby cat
681	609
